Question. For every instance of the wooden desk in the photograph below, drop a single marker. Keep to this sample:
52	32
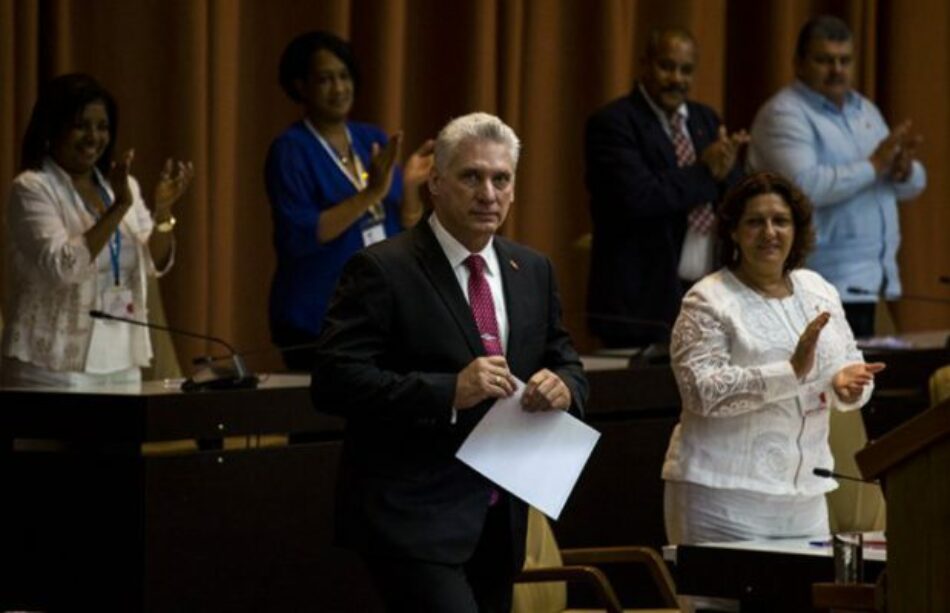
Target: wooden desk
902	389
619	496
92	523
250	530
774	576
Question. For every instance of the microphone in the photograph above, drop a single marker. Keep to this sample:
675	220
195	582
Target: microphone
209	376
828	474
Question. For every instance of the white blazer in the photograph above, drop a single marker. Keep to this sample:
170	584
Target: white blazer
52	280
747	421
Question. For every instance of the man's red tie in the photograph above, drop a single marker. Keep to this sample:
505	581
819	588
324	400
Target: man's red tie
702	217
483	309
483	306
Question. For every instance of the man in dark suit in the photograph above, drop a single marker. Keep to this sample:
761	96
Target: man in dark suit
425	332
656	163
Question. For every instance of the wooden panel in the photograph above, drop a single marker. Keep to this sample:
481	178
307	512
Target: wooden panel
918	516
762	580
249	529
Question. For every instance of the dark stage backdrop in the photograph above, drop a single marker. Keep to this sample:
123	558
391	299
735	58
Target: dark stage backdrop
197	79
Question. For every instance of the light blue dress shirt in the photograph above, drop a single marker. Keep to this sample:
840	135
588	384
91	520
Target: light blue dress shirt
824	149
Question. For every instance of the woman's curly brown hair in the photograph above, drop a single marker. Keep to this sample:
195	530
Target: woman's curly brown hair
733	206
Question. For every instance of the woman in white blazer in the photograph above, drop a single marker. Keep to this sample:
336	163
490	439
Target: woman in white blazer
761	352
79	237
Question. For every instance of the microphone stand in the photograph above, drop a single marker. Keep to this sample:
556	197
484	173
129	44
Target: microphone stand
208	376
829	474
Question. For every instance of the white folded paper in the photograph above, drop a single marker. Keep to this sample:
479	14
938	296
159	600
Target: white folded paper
535	456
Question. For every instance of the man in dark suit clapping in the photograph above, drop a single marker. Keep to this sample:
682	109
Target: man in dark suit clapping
425	332
656	164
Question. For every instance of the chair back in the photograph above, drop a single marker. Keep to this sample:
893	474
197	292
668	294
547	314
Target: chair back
541	551
853	507
940	386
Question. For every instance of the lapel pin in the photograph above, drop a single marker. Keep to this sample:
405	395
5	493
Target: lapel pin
514	264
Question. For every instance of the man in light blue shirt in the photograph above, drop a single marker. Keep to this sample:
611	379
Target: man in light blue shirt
835	145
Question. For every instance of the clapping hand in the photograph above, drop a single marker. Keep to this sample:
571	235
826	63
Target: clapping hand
381	166
803	359
903	161
172	184
119	179
850	381
883	155
415	176
893	156
721	156
419	164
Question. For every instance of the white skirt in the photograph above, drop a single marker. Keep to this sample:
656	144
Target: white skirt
696	513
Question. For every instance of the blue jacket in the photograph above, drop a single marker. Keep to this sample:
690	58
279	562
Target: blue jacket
303	181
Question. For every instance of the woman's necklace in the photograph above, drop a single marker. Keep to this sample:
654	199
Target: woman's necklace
343	155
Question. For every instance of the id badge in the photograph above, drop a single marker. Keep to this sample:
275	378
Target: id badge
117	301
373	233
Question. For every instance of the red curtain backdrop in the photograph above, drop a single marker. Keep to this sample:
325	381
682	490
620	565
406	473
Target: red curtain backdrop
197	79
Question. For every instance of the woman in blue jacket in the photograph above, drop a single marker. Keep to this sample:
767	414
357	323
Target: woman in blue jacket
333	187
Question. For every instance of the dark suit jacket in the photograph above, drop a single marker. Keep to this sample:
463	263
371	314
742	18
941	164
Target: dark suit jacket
639	202
397	333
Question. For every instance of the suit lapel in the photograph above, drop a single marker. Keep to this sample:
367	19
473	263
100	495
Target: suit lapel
652	128
436	267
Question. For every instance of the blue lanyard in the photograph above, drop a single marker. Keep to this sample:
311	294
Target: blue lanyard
115	242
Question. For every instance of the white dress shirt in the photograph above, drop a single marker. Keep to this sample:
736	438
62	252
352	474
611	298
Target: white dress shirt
824	149
698	252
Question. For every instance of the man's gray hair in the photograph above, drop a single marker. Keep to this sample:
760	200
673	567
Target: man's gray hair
482	126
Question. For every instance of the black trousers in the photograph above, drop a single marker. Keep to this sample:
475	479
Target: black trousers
860	316
483	584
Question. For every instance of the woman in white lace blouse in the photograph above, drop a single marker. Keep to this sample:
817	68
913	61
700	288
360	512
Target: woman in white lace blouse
79	237
762	352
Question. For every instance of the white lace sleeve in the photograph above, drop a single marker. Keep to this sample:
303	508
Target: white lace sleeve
709	383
